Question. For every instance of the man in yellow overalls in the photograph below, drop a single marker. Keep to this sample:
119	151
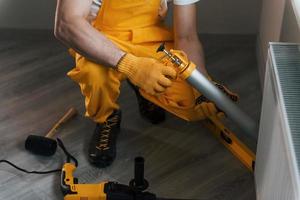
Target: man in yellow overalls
120	43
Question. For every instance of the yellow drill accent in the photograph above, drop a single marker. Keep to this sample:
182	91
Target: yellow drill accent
82	191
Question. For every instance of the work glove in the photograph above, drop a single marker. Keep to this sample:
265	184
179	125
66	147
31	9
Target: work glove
148	74
209	108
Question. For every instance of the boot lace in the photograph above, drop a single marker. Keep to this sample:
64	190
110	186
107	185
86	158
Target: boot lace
105	133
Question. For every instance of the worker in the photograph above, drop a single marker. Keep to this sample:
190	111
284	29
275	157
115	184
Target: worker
114	40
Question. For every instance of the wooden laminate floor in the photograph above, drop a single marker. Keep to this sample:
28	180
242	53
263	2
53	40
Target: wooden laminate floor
183	160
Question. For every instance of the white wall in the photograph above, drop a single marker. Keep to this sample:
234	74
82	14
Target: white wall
278	23
269	29
229	16
215	16
290	28
27	14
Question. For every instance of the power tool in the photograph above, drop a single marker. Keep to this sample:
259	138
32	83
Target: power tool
106	190
73	190
187	71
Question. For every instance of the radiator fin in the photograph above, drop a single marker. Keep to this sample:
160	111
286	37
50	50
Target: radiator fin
287	64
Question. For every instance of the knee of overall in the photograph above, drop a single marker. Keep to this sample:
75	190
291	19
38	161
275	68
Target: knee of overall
92	75
181	94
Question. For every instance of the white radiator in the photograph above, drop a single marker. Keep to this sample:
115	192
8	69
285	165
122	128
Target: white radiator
278	151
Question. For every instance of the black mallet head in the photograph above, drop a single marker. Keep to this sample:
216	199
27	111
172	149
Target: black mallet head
40	145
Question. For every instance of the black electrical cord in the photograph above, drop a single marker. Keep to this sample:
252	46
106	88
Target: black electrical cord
61	145
29	172
68	155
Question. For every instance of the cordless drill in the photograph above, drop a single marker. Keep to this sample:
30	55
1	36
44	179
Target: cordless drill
105	190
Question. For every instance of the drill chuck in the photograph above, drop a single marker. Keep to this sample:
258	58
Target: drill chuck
139	183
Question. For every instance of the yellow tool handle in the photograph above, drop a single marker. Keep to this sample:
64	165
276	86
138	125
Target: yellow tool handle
77	191
69	114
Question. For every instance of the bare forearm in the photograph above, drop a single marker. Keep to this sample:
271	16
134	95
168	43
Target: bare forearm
193	47
89	42
186	36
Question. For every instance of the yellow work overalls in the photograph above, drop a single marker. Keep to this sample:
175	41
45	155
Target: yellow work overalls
135	27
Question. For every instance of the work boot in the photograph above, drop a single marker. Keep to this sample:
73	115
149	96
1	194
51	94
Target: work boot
102	149
148	110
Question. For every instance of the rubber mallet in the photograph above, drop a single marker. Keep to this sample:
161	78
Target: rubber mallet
46	145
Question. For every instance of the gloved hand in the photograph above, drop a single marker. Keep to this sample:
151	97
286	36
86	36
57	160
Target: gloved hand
147	73
209	108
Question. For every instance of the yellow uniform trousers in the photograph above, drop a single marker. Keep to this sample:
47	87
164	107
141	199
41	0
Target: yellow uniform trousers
134	27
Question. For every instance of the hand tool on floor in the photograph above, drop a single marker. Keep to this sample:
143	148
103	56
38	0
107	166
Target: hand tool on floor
106	190
187	71
46	145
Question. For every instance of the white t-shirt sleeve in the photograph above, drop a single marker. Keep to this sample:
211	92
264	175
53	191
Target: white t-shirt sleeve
184	2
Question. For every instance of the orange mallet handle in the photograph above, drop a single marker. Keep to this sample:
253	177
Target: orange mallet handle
71	113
